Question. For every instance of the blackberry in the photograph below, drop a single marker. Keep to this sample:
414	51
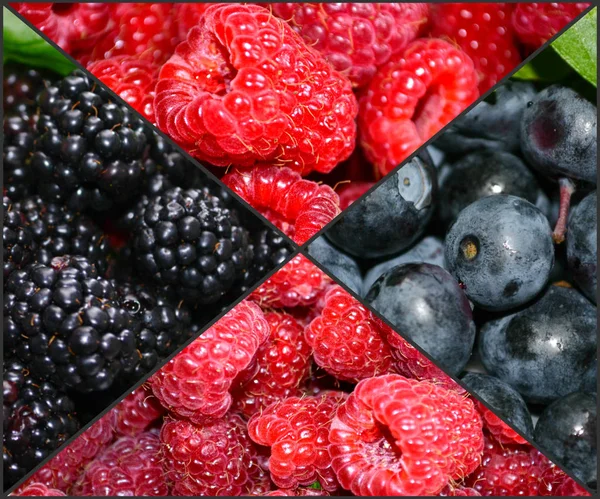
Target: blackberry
190	239
71	329
17	238
38	418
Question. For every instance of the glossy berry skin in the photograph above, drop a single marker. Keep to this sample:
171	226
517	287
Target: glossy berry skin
379	446
500	248
342	266
37	489
567	430
558	134
18	244
136	412
544	350
390	218
355	38
225	95
582	245
424	303
504	401
188	15
411	98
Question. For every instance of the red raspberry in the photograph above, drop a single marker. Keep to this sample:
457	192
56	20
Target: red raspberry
297	431
283	363
535	23
188	15
37	489
412	97
450	491
570	487
131	466
355	37
484	32
299	283
72	26
136	412
299	207
214	459
131	78
503	433
397	436
299	492
351	192
348	343
244	88
195	384
554	481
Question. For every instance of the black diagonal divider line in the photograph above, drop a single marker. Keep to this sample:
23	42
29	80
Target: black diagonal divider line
432	139
431	359
148	375
154	128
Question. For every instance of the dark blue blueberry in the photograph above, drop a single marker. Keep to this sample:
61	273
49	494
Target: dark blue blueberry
500	248
337	263
426	304
544	350
390	218
590	379
567	430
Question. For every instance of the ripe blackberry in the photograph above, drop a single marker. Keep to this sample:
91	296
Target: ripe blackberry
89	151
20	88
70	327
17	238
193	241
38	418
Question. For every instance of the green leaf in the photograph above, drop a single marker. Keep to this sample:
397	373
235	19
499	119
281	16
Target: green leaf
547	67
577	46
25	46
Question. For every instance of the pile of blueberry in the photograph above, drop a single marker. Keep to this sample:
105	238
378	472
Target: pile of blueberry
482	250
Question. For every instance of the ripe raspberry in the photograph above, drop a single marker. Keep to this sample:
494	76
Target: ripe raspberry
451	491
195	384
351	192
74	27
297	431
299	207
131	78
299	283
498	428
188	15
299	492
214	459
136	412
283	363
536	23
348	343
554	481
412	97
37	489
396	436
355	37
131	466
244	88
484	32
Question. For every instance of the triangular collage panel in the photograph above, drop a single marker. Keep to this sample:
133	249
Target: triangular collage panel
394	376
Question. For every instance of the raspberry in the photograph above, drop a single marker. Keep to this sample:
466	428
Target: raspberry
136	412
131	78
498	428
536	23
195	384
412	97
484	32
244	88
188	15
554	481
72	26
297	430
283	363
355	37
348	343
37	489
299	207
214	459
299	492
451	491
131	466
299	283
396	436
351	192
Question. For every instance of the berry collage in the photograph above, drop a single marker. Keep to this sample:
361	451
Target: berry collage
299	249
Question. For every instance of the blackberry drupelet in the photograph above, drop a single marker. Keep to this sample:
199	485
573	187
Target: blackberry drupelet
71	329
193	241
20	89
18	244
38	418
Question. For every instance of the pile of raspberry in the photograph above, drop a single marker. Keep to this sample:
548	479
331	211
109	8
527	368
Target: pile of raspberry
300	390
275	97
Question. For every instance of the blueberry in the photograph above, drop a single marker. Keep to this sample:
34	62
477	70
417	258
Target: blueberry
503	399
392	217
427	305
337	263
567	430
545	350
428	250
500	248
590	379
582	245
558	134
